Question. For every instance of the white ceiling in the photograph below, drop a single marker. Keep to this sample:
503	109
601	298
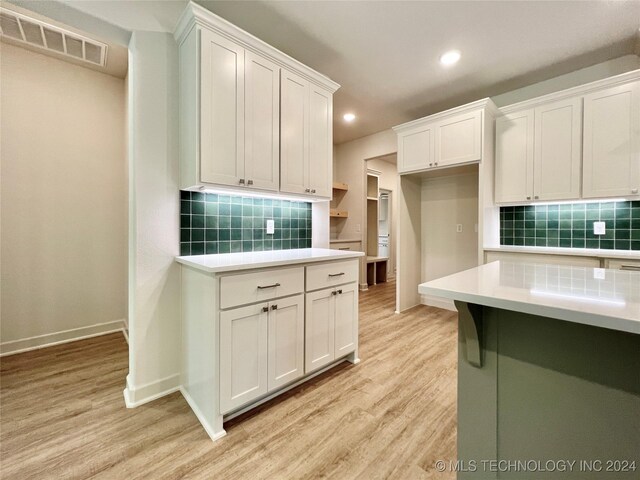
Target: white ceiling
385	53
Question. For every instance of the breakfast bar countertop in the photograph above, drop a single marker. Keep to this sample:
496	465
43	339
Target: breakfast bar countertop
592	296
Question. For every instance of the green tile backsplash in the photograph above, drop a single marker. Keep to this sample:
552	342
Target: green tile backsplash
215	223
571	225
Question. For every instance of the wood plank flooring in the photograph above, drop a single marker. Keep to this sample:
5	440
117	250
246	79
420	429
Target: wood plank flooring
62	414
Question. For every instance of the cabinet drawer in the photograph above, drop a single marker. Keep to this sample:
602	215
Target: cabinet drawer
330	274
260	286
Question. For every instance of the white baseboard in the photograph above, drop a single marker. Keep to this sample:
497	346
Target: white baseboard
136	396
438	302
50	339
203	421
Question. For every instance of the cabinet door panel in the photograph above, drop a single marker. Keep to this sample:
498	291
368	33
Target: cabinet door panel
557	150
294	132
286	341
243	356
262	116
459	139
514	157
319	331
415	150
320	142
346	322
611	158
221	110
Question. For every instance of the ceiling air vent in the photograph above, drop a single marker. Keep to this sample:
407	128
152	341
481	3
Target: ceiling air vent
42	35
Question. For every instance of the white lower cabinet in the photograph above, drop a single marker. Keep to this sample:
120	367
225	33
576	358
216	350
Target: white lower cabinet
243	355
285	362
346	320
319	334
331	325
261	349
288	331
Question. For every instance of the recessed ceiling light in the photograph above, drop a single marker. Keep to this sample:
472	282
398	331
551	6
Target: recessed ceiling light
349	117
449	58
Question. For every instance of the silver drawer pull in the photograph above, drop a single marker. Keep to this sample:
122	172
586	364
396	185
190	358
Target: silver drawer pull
336	274
262	287
344	248
633	268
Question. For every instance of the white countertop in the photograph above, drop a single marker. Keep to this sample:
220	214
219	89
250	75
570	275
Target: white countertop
592	296
579	252
226	262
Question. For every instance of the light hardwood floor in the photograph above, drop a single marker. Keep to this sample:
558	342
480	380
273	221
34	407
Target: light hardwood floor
62	414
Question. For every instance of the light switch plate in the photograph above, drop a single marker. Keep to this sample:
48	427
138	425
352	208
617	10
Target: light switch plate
599	228
270	227
459	228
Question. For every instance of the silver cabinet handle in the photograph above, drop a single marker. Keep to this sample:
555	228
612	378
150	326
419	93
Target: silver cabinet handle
249	182
274	307
633	268
431	164
241	181
340	292
313	190
436	164
536	197
262	287
265	309
336	274
334	293
307	190
344	248
528	197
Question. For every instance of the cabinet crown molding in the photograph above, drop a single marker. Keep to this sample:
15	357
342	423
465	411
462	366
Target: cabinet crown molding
195	14
485	103
578	91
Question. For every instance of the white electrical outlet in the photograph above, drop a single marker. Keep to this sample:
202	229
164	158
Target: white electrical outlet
459	228
599	273
270	227
599	228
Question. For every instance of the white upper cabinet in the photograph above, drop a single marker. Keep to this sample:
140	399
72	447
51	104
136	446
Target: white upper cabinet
612	142
262	122
459	139
221	110
236	117
306	137
294	136
320	162
538	153
449	138
557	150
514	157
416	149
579	143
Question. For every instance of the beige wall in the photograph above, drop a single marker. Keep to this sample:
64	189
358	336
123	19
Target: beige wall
64	196
389	181
446	202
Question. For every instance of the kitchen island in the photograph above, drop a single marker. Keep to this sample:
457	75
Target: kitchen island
548	370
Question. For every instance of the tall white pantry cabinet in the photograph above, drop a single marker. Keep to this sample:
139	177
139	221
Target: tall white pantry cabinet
251	117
